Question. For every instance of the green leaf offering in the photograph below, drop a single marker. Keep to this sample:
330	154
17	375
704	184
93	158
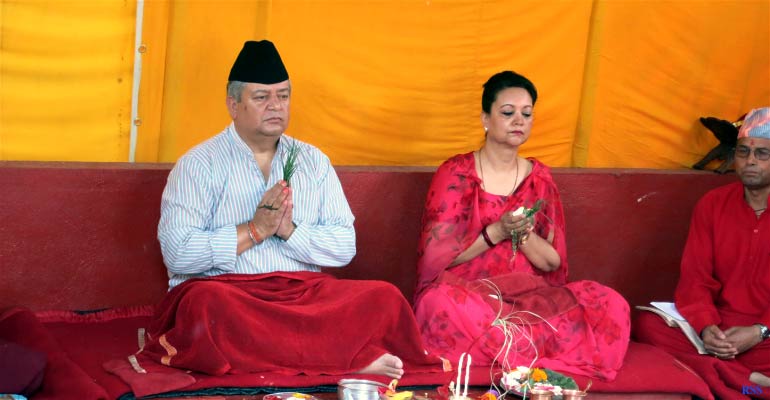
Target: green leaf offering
290	162
557	379
528	213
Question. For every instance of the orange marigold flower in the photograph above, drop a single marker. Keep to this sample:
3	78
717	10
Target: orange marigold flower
488	396
538	375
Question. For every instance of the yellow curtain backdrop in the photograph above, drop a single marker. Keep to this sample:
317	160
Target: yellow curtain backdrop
361	92
622	83
399	82
200	42
65	79
655	67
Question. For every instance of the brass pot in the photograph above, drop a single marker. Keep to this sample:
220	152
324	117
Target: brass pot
540	394
573	394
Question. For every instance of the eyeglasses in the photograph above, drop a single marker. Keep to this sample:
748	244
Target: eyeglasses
760	153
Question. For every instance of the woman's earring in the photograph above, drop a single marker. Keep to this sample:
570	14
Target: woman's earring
486	129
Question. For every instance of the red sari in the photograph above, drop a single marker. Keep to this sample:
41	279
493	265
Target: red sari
578	327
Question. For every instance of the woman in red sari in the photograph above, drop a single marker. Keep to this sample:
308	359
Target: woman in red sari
475	293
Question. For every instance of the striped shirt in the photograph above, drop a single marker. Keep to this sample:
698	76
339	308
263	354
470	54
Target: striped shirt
218	185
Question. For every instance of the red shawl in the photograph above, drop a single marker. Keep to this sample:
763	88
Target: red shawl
456	210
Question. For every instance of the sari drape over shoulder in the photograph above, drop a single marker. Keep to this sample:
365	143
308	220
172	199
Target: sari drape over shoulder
579	327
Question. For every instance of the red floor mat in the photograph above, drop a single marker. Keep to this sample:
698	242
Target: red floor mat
86	342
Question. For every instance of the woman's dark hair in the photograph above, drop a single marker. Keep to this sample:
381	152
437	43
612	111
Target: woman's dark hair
504	80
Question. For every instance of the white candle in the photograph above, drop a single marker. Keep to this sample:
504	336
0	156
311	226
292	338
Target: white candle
467	373
459	385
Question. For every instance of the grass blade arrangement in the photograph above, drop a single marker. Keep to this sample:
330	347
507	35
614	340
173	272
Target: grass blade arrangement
290	162
529	213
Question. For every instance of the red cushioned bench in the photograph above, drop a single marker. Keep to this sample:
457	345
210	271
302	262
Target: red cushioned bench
82	236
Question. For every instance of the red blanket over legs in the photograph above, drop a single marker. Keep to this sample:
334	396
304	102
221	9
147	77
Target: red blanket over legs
728	379
294	323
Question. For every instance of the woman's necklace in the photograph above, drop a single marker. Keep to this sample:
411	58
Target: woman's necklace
481	170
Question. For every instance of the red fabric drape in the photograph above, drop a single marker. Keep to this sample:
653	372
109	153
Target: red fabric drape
725	378
63	379
457	208
295	323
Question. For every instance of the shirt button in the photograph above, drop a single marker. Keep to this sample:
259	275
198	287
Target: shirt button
756	230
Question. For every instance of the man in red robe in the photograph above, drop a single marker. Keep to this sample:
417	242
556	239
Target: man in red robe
724	287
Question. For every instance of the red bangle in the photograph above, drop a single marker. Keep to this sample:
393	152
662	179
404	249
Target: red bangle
253	233
485	235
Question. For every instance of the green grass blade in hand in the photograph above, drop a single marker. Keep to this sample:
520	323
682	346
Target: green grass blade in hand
290	163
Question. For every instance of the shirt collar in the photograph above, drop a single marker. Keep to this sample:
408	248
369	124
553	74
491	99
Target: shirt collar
237	141
243	148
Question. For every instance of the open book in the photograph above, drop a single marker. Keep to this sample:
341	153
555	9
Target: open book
668	312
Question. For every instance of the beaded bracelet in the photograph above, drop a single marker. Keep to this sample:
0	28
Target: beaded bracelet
524	239
253	234
485	235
